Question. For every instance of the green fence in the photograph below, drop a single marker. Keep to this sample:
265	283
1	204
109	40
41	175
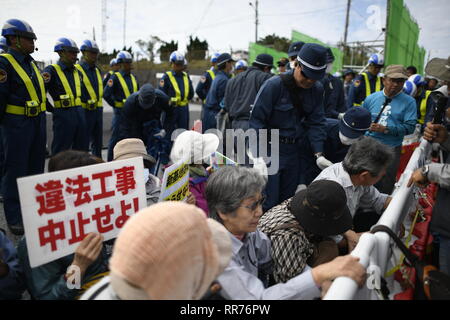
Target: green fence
255	49
402	37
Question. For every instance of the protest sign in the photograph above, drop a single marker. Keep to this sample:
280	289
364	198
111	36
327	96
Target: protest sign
175	184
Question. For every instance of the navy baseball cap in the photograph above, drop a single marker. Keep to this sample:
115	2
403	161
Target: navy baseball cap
264	59
224	57
294	48
313	60
355	123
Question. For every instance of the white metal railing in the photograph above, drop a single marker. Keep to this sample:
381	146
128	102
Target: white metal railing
374	250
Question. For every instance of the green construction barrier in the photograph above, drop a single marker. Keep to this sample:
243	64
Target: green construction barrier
255	49
402	37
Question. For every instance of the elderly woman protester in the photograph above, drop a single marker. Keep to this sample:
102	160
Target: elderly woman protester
234	196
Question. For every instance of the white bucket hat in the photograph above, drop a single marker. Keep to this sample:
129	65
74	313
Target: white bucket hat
194	147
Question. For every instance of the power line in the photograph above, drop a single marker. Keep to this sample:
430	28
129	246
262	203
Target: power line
304	12
203	15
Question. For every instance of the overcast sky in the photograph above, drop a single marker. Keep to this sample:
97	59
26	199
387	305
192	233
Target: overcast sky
224	24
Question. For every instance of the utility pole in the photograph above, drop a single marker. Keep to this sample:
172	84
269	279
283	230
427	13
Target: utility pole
104	17
346	22
255	6
124	22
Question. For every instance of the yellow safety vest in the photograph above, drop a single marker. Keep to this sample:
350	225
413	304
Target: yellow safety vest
177	98
126	90
367	83
423	107
94	101
211	73
35	106
69	99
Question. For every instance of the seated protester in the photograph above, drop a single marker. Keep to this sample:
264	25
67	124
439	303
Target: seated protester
195	148
363	166
49	281
340	135
299	228
131	148
234	196
167	251
12	282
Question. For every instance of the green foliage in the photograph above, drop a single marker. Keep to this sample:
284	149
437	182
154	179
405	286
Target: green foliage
196	49
166	49
275	42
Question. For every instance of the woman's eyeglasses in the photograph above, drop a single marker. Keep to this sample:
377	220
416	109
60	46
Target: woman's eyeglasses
256	204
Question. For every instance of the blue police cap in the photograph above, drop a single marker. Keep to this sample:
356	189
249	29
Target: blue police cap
313	60
264	59
355	123
294	48
224	57
330	55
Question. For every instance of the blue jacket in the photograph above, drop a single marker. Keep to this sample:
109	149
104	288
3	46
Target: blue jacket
217	91
204	85
12	88
13	284
273	109
166	86
132	122
113	90
334	150
92	75
400	116
334	99
357	92
54	85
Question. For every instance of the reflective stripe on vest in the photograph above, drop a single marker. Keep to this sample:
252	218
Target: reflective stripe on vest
90	87
126	90
377	84
211	73
173	81
74	100
423	107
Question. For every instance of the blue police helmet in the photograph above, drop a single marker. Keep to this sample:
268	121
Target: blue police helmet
214	57
410	88
124	56
417	79
377	59
294	48
113	62
147	96
176	57
16	27
241	64
355	122
313	60
3	44
89	45
66	44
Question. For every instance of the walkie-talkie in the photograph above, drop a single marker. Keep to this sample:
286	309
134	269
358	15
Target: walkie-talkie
386	102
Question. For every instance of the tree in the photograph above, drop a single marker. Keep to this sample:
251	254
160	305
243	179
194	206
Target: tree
166	49
148	48
196	49
273	41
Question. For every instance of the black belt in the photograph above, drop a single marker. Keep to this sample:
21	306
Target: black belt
288	140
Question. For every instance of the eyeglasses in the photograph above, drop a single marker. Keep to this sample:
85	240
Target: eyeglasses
256	204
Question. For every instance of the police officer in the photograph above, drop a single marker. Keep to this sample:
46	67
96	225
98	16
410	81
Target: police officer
214	100
293	50
114	68
416	86
3	45
22	110
282	65
118	88
93	101
340	135
240	66
293	103
64	83
348	76
3	49
178	86
333	101
206	79
367	82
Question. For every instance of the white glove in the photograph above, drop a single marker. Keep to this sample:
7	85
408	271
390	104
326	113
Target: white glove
323	162
161	134
341	115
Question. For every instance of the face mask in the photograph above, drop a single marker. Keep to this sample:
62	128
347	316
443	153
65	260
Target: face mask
329	67
232	69
146	175
345	140
292	64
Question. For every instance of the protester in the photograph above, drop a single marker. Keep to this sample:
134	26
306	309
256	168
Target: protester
234	196
300	227
130	148
166	251
12	282
49	281
195	148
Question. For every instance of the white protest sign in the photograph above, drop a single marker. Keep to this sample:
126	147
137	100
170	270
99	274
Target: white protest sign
60	208
175	184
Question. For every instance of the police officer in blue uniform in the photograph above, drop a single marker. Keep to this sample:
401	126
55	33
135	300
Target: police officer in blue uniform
93	101
206	80
118	88
340	135
114	68
3	49
293	103
3	45
22	114
334	100
293	51
178	86
214	100
64	82
367	82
